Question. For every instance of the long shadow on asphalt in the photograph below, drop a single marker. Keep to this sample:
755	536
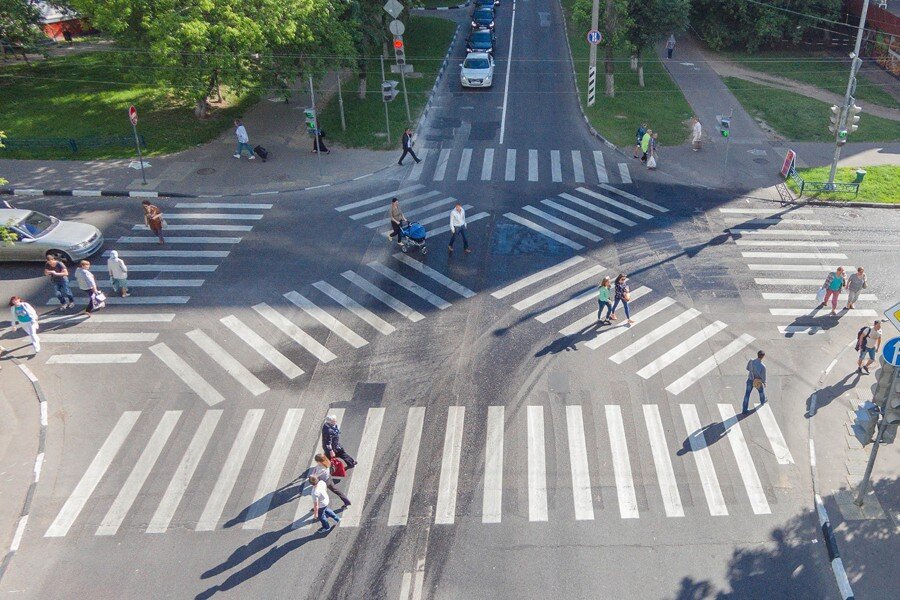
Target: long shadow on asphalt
710	434
286	493
826	395
569	343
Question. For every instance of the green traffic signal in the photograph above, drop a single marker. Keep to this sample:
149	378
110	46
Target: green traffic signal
724	133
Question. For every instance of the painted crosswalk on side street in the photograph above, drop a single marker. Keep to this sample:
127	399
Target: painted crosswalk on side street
258	480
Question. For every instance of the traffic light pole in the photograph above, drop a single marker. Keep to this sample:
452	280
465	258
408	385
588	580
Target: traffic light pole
312	101
851	85
860	496
387	120
405	97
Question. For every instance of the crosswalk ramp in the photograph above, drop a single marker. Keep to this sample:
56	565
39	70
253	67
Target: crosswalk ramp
207	472
666	340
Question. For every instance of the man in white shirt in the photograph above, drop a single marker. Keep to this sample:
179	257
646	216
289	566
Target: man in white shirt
118	274
458	226
321	511
243	140
868	343
696	133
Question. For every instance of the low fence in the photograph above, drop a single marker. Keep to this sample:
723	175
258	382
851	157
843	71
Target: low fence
72	144
822	186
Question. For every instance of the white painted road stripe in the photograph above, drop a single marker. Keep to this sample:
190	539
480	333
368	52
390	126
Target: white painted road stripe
487	167
746	221
291	330
537	468
464	161
591	318
791	330
443	159
101	338
600	211
196	227
510	164
445	509
535	277
417	169
625	491
138	300
602	176
92	476
654	336
187	374
434	275
230	364
542	295
386	209
561	309
765	211
698	372
355	307
623	172
148	283
773	432
162	269
374	199
581	476
138	476
182	477
633	198
797	268
220	216
225	205
577	166
622	327
179	240
271	476
615	203
93	359
230	471
659	447
114	318
815	312
705	469
786	243
171	253
829	255
448	202
555	166
543	230
359	483
262	347
406	466
379	294
492	502
811	297
770	281
317	313
771	231
564	224
744	461
681	349
446	228
409	285
581	217
532	165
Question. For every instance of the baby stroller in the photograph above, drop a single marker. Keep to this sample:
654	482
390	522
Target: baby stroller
412	236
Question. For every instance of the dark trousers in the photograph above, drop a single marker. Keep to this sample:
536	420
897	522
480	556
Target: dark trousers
396	231
333	488
405	152
340	453
460	231
625	304
90	305
608	306
321	144
669	52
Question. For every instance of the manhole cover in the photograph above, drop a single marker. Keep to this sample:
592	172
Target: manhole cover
757	152
205	171
761	161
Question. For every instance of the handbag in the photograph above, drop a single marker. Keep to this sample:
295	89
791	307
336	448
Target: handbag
820	295
626	296
757	383
337	468
98	300
651	162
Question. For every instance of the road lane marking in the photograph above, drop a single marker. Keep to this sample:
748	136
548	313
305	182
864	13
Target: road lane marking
654	336
705	469
623	173
791	330
93	359
537	467
406	466
554	289
359	482
773	432
819	255
96	338
230	364
161	269
187	374
771	231
581	217
417	169
817	312
577	166
786	243
144	300
262	347
665	475
635	199
374	199
532	165
615	203
434	275
443	159
465	159
628	508
218	216
409	285
355	307
797	268
681	349
256	513
811	297
510	174
544	231
770	281
145	283
179	240
379	294
564	224
198	227
512	31
621	328
765	211
171	253
561	309
381	209
591	318
600	165
225	205
535	277
581	476
487	166
445	509
291	330
320	315
555	166
744	461
600	211
698	372
746	221
492	501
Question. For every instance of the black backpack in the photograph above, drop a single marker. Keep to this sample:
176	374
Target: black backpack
861	341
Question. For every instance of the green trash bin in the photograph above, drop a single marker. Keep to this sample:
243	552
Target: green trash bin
860	175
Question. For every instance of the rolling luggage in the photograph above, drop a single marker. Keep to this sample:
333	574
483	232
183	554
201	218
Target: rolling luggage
261	152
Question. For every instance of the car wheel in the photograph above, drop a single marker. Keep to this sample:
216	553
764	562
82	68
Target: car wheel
63	256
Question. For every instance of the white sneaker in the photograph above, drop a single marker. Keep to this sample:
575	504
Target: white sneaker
252	157
236	155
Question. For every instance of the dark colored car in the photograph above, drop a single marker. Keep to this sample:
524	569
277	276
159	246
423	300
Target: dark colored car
481	40
483	18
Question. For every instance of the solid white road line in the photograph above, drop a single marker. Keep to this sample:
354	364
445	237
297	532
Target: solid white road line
668	485
449	201
581	217
698	372
162	269
434	275
602	176
771	231
487	166
171	253
614	203
150	283
226	205
786	243
492	501
93	359
303	516
383	296
145	300
625	491
219	216
561	309
341	330
581	476
230	471
797	268
179	240
564	224
681	349
359	483
705	469
747	221
747	470
654	336
262	347
510	174
417	169
197	227
829	255
469	220
577	166
512	31
380	210
770	281
535	277
291	330
600	211
591	318
187	374
409	285
138	476
445	509
796	329
634	198
537	467
542	295
465	159
374	199
623	173
816	312
92	476
773	432
622	327
532	165
229	363
810	297
268	482
544	231
355	307
765	211
555	166
406	466
98	338
443	159
182	477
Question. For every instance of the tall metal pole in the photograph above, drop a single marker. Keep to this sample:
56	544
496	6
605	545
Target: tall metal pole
860	496
137	143
405	98
341	103
387	120
592	68
312	100
851	86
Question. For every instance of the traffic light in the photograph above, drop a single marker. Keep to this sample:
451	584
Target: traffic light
853	118
842	137
399	50
835	118
865	422
310	114
725	125
388	90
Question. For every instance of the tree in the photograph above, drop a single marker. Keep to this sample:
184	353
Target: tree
368	18
19	20
614	18
650	21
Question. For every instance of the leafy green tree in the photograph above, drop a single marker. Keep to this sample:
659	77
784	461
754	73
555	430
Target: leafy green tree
650	21
19	21
613	22
7	237
369	23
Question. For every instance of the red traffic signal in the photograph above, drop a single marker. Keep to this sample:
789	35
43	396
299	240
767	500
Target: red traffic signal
398	44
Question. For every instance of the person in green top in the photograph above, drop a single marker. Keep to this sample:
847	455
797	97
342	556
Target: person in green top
645	144
834	283
603	300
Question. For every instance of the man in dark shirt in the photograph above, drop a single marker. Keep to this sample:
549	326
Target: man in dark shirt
59	276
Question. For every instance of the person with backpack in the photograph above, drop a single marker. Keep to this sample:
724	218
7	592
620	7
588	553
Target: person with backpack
834	283
756	378
868	342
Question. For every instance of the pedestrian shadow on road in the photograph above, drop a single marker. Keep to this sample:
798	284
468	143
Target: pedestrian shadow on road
826	395
814	323
567	343
710	434
286	493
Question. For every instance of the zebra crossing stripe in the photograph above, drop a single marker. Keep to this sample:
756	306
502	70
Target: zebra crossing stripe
600	165
217	216
487	166
172	253
581	217
535	277
409	285
380	325
142	300
564	224
781	282
224	485
379	294
635	199
625	491
764	211
93	359
796	268
463	172
469	219
184	473
223	205
791	330
374	199
615	203
162	269
179	240
510	174
256	513
812	312
581	477
448	201
659	447
811	297
262	347
492	502
555	166
532	165
705	469
561	309
138	476
543	230
434	275
144	283
591	319
96	470
600	211
558	287
417	169
441	169
770	231
187	374
341	330
698	372
786	243
196	227
624	174
611	334
744	460
654	336
409	456
231	365
291	330
819	255
577	166
113	318
445	508
96	338
773	432
681	349
303	516
381	209
746	221
537	468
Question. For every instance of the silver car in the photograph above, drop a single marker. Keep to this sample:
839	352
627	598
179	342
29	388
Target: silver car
477	70
36	234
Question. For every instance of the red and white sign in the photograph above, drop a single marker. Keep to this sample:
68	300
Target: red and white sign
788	163
132	115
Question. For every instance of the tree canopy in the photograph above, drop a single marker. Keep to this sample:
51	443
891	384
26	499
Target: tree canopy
18	22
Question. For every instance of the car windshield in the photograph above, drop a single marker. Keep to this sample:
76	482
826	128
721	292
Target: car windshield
481	37
36	224
484	14
476	63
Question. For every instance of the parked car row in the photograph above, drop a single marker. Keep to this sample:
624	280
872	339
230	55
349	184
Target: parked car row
477	70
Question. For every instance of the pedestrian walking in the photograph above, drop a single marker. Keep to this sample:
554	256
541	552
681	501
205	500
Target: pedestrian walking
322	470
645	145
868	342
696	134
407	143
321	510
834	283
856	283
603	300
396	219
88	284
331	442
59	277
118	274
458	226
153	218
638	136
756	379
22	314
652	161
621	293
318	142
670	46
243	140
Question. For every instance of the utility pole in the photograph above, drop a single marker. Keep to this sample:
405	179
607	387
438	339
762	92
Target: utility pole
387	119
312	101
840	133
592	69
610	25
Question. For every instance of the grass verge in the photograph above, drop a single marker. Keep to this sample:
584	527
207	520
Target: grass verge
440	3
427	40
803	119
87	95
882	183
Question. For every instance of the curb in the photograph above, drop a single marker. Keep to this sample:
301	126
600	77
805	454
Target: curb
438	79
465	4
38	463
830	203
95	193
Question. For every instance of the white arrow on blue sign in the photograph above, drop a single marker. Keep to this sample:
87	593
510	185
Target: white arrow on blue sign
891	351
594	37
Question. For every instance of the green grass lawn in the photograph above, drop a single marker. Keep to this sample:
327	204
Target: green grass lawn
427	40
439	3
87	95
882	183
815	68
803	119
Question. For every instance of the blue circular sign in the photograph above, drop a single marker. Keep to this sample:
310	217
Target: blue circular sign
594	37
891	351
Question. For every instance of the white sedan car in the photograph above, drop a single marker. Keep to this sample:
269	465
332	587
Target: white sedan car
477	70
35	234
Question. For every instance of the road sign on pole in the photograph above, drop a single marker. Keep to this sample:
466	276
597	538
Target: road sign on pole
891	351
393	8
594	37
132	116
592	64
396	27
893	315
788	163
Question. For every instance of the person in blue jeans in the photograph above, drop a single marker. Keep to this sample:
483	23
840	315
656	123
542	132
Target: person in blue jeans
622	294
756	370
321	511
59	277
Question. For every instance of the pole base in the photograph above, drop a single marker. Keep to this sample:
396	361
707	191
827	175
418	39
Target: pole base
870	510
